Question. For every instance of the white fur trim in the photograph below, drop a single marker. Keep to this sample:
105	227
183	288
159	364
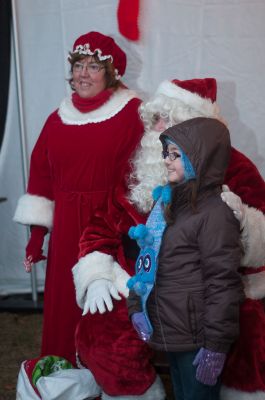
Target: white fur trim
193	100
254	285
155	392
253	238
95	266
85	50
34	210
71	116
233	394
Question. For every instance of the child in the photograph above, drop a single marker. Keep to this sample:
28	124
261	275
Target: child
192	307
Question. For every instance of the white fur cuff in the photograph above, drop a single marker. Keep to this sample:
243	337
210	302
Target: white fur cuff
95	266
254	285
34	210
234	394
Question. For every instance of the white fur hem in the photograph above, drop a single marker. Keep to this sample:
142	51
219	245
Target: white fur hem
203	105
253	238
155	392
95	266
233	394
34	210
71	116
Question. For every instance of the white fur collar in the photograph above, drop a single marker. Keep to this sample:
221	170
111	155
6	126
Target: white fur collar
71	116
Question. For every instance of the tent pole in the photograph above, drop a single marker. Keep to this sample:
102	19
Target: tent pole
23	136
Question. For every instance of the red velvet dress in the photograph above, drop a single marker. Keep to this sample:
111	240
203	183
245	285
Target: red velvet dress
77	160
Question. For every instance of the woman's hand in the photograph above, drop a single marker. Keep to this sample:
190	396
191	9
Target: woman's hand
34	252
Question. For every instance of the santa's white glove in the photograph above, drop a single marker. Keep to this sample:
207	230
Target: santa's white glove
235	203
98	296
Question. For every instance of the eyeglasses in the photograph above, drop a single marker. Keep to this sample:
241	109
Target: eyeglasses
92	68
172	156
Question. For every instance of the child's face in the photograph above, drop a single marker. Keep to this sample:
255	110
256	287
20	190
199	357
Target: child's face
174	168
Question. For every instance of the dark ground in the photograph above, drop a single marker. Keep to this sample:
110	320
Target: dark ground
20	336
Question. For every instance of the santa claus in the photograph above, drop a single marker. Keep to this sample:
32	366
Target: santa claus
174	102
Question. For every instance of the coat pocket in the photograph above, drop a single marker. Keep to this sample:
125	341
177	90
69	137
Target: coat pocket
196	316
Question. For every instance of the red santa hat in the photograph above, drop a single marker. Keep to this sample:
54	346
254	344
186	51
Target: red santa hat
199	94
104	47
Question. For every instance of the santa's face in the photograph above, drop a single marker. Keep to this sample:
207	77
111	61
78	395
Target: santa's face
160	122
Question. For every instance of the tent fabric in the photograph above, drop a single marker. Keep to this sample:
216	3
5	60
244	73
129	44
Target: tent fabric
5	44
179	40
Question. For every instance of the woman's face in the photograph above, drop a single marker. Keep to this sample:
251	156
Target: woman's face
88	77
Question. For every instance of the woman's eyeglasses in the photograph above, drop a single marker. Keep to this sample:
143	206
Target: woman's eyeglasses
172	156
92	68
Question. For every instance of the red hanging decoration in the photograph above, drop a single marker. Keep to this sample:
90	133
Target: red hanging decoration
128	14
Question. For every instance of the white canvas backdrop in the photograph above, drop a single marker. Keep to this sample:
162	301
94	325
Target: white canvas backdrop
224	39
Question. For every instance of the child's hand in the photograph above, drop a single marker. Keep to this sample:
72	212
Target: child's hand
141	326
209	366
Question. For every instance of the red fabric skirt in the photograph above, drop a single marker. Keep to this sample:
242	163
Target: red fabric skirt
109	347
245	366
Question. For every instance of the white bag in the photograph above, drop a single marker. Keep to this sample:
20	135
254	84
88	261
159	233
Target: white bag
68	384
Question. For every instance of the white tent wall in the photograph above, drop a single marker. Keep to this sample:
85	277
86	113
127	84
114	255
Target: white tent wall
224	39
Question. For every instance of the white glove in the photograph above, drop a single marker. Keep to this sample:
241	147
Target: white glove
98	296
235	203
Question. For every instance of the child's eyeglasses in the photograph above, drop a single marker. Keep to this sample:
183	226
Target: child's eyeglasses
172	156
91	68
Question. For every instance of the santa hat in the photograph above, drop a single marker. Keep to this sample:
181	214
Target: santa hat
104	47
199	94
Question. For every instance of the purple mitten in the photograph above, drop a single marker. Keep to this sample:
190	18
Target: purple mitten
141	326
209	366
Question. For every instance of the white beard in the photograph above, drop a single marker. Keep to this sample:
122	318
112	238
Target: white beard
148	171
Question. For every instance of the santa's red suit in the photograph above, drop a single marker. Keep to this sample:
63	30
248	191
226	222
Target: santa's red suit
176	101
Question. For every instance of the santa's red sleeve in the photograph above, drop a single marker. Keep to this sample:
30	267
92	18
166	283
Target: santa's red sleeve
102	246
36	207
